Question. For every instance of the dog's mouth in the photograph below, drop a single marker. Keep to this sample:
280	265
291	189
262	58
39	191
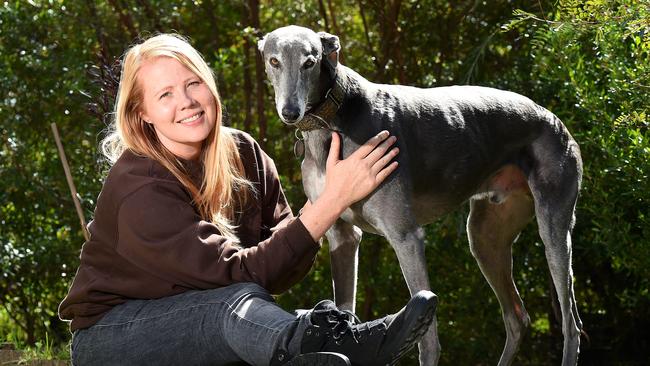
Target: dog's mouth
289	123
292	121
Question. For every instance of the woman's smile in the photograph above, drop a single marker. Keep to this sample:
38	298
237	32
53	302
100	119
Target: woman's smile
193	120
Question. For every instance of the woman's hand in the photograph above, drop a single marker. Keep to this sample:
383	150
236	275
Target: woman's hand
357	176
349	180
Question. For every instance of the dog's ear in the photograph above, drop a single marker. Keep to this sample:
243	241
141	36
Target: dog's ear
260	44
331	47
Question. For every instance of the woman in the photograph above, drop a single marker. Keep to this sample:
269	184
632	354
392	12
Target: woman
192	232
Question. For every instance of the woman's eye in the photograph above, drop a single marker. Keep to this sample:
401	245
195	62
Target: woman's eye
274	62
308	64
165	94
196	82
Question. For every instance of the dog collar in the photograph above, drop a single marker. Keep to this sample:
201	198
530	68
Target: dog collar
319	117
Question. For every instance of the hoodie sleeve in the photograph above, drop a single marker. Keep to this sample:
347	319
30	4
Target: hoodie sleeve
161	233
277	214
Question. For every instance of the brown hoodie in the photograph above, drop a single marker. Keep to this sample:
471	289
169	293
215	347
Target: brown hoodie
148	241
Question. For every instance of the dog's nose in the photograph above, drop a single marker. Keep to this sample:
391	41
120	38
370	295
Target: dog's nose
290	113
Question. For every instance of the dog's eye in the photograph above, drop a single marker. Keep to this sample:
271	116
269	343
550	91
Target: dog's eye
308	64
274	62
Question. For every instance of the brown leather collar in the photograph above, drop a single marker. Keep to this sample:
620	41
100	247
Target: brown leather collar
321	116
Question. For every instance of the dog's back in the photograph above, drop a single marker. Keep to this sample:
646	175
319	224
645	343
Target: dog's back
451	138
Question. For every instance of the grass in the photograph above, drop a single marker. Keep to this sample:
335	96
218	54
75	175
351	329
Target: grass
41	351
46	351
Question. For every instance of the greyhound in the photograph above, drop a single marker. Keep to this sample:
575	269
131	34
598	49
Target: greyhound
510	158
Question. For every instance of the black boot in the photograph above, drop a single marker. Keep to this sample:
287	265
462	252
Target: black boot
378	342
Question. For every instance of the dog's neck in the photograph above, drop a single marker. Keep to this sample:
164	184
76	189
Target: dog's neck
332	98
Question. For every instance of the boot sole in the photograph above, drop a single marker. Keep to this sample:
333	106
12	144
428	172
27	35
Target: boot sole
422	325
320	359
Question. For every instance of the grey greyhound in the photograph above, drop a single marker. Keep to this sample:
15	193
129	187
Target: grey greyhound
510	158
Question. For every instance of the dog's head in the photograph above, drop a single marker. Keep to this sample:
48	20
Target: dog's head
298	61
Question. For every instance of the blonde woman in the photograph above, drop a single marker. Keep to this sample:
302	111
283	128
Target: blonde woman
192	232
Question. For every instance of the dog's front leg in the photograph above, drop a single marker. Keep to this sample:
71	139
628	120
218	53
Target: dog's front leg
344	241
409	247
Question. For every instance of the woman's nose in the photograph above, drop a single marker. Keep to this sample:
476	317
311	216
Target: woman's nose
187	100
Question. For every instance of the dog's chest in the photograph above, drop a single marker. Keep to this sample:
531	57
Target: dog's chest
313	177
316	150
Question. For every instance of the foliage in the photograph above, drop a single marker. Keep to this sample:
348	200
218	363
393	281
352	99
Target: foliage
587	61
598	84
38	247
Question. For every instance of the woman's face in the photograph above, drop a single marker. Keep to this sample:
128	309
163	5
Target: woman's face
178	104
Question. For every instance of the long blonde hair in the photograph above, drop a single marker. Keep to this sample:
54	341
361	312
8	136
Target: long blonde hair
224	187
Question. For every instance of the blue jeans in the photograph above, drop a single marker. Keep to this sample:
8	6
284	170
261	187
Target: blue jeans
236	324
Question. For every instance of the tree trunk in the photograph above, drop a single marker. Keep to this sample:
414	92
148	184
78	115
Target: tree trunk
369	47
396	39
108	72
259	75
99	30
248	82
31	336
335	28
385	14
29	319
215	38
323	14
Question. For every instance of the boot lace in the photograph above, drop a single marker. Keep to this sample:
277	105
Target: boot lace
345	323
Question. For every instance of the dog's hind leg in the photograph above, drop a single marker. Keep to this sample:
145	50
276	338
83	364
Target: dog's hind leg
555	182
491	229
344	241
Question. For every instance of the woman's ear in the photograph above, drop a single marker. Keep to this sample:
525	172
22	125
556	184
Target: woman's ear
144	117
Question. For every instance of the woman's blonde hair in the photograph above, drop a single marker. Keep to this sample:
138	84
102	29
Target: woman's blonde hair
224	187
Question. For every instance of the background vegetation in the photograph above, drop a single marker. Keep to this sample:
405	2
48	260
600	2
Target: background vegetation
587	61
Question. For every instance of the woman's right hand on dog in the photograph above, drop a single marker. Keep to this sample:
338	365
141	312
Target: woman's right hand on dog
349	180
354	178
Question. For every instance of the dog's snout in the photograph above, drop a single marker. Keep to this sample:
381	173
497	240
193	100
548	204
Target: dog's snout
290	113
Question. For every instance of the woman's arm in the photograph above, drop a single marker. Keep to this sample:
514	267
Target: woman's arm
161	233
